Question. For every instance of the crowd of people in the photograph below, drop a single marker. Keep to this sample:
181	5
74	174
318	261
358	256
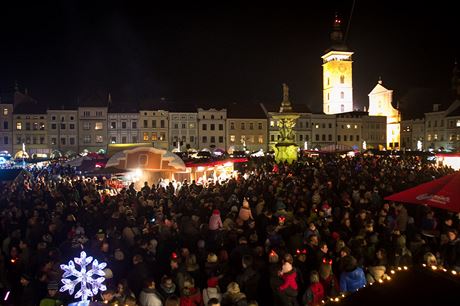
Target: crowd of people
278	235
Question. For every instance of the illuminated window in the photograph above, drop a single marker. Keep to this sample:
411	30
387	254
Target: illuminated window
328	82
342	108
348	126
162	136
99	139
113	140
261	139
146	136
458	122
154	136
272	123
356	126
317	126
232	138
18	126
435	136
191	125
342	79
5	112
98	126
342	95
429	137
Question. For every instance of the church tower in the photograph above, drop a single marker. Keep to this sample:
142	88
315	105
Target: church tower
337	74
380	104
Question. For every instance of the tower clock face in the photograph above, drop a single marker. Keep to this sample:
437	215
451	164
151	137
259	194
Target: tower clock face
342	68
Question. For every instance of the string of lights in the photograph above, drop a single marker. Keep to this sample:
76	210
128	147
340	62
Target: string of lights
387	278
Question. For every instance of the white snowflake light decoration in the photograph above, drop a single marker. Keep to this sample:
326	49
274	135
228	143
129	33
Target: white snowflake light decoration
89	285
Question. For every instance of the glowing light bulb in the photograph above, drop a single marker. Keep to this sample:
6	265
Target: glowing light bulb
392	271
336	299
454	272
405	268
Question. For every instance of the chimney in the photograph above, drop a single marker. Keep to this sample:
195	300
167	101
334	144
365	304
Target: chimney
436	107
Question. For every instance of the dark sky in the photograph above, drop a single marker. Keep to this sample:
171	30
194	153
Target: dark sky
219	54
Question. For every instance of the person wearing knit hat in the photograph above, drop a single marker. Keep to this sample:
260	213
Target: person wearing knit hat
52	298
212	291
245	211
215	222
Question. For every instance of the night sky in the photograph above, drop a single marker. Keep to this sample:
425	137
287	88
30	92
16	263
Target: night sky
203	55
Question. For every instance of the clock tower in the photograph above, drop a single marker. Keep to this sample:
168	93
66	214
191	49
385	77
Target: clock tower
337	74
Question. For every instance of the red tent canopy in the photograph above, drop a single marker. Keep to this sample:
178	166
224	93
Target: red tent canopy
441	193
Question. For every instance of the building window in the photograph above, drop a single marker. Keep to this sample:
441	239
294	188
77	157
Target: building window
99	139
191	125
221	139
162	136
62	126
260	125
145	123
317	137
261	139
86	125
328	96
213	126
71	118
72	141
113	139
328	83
5	125
243	126
18	125
154	136
212	116
123	125
134	124
345	138
251	126
221	127
85	114
18	140
435	136
272	137
113	125
272	123
342	95
176	126
72	126
98	126
42	126
63	141
154	124
204	139
330	137
53	140
213	139
192	138
342	79
351	137
5	139
99	114
146	136
204	126
323	137
232	138
458	122
87	139
342	108
123	139
429	123
300	137
162	124
53	126
338	138
357	137
5	112
134	138
232	125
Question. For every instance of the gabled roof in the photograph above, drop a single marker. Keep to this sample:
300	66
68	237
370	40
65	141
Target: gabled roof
379	88
245	111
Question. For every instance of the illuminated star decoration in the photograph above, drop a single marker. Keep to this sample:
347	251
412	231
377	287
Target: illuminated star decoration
90	280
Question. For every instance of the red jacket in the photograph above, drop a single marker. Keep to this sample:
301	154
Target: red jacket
314	294
289	280
191	297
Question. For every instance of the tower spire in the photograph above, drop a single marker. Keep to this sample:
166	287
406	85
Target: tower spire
286	106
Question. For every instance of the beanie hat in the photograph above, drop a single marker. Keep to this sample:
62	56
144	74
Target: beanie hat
216	212
213	282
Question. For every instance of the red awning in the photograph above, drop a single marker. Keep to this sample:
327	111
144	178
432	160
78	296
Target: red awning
216	163
441	193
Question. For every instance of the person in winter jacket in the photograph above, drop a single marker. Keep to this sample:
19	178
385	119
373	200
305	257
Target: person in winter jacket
328	279
149	296
53	297
233	296
245	211
353	277
167	287
288	288
248	280
190	295
215	222
212	291
315	292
